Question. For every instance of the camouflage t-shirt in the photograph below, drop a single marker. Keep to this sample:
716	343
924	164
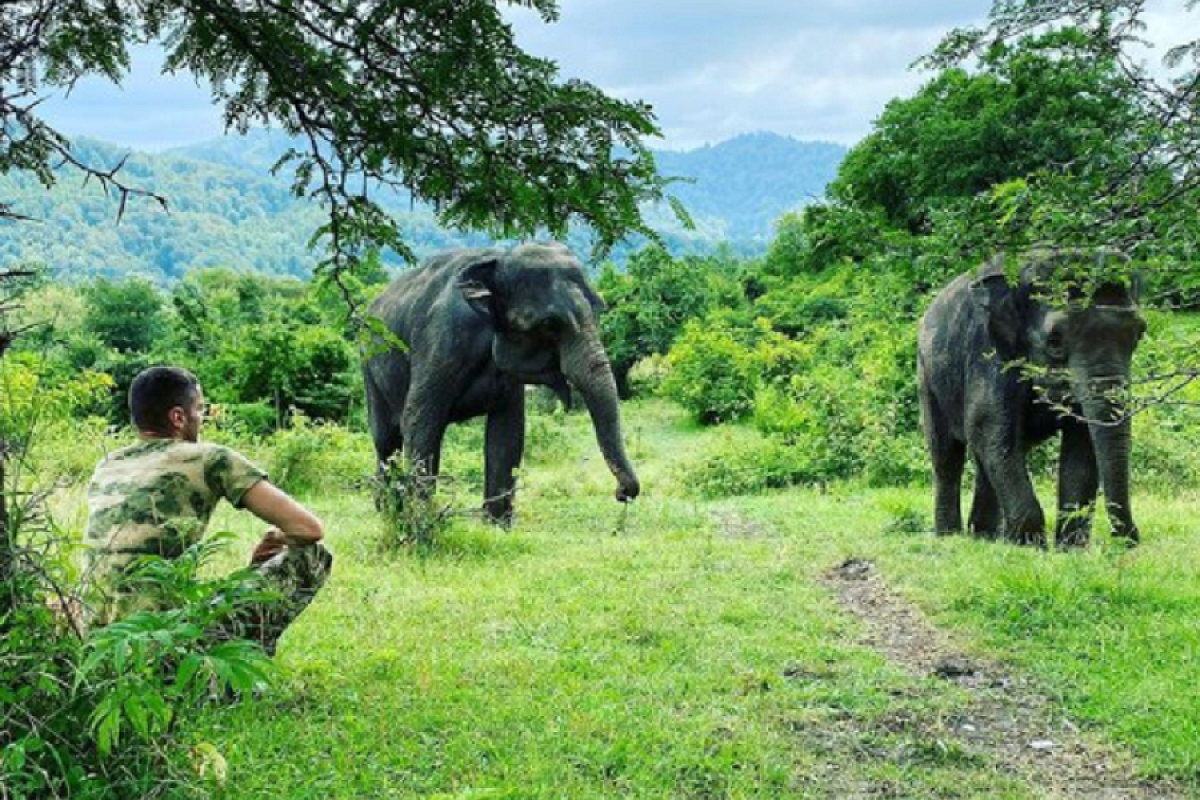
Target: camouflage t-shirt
154	498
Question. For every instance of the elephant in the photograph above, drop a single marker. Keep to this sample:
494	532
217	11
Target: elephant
972	398
480	324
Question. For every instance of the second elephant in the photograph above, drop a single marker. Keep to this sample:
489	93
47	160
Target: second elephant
973	402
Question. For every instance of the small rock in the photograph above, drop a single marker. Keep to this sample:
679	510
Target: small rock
968	727
855	569
1042	744
953	668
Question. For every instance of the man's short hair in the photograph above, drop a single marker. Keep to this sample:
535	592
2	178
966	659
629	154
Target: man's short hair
155	391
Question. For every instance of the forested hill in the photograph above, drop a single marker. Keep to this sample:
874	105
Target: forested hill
227	210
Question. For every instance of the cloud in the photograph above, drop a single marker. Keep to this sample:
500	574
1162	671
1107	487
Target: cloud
711	70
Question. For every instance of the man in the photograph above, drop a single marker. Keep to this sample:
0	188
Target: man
155	497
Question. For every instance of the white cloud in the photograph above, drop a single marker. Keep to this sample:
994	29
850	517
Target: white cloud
711	69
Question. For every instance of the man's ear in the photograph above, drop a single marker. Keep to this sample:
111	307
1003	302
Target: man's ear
478	286
1000	307
177	418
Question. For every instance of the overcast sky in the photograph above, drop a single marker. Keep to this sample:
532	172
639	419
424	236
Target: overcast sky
711	69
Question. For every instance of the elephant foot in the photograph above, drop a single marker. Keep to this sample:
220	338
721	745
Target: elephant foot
1072	538
1029	538
498	514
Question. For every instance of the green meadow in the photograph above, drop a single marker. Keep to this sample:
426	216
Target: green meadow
690	648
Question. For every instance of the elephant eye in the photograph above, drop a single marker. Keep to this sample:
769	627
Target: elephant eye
1054	343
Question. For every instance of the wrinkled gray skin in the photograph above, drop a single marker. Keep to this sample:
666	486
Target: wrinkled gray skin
971	404
480	324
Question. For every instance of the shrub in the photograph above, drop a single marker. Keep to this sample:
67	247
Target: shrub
648	375
412	515
739	467
317	455
94	717
245	420
711	374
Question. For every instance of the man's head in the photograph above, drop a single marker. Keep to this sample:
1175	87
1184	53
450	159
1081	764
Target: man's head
167	402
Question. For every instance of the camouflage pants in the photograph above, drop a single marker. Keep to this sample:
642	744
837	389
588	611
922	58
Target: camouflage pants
292	578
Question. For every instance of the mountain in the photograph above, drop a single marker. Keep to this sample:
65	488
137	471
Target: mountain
226	209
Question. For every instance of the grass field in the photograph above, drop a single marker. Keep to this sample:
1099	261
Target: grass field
684	648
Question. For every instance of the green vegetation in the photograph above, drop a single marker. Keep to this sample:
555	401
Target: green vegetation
227	210
682	647
688	645
373	94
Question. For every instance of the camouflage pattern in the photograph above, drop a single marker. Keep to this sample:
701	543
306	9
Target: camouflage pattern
153	498
292	578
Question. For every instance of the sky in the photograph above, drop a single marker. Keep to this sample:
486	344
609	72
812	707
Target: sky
816	70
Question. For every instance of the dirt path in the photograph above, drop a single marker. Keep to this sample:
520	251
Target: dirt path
1007	721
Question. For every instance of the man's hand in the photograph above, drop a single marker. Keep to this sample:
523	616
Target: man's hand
272	543
288	518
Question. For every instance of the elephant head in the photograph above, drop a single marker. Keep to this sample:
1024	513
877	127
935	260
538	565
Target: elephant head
1080	328
543	314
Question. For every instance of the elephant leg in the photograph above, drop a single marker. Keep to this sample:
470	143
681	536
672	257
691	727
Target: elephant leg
985	506
1078	484
1004	465
948	455
504	447
384	423
423	426
948	460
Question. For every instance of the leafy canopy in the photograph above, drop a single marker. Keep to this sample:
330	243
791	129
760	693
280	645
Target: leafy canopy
432	97
1142	201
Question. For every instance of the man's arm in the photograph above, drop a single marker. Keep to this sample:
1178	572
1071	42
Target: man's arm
273	505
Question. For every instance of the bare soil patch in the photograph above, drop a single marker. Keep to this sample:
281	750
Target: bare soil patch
1008	721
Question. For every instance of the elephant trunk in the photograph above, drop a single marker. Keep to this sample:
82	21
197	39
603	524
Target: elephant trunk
1112	438
586	366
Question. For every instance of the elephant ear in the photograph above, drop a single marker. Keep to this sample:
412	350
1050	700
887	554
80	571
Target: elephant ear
478	286
594	300
999	302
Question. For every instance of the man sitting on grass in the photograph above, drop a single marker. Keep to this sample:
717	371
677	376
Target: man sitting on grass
155	497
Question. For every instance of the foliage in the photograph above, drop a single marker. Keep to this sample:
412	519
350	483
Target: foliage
413	516
97	716
738	467
651	300
308	456
125	316
227	210
384	99
1142	198
255	342
308	368
711	374
1043	101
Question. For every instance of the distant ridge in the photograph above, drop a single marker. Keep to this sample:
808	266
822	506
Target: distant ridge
228	210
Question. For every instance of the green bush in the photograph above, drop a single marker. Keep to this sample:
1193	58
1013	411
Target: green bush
245	420
647	376
94	716
318	455
711	374
740	467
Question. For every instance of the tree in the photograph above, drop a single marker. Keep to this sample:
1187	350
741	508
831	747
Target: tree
1044	102
126	316
432	99
648	304
1144	202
